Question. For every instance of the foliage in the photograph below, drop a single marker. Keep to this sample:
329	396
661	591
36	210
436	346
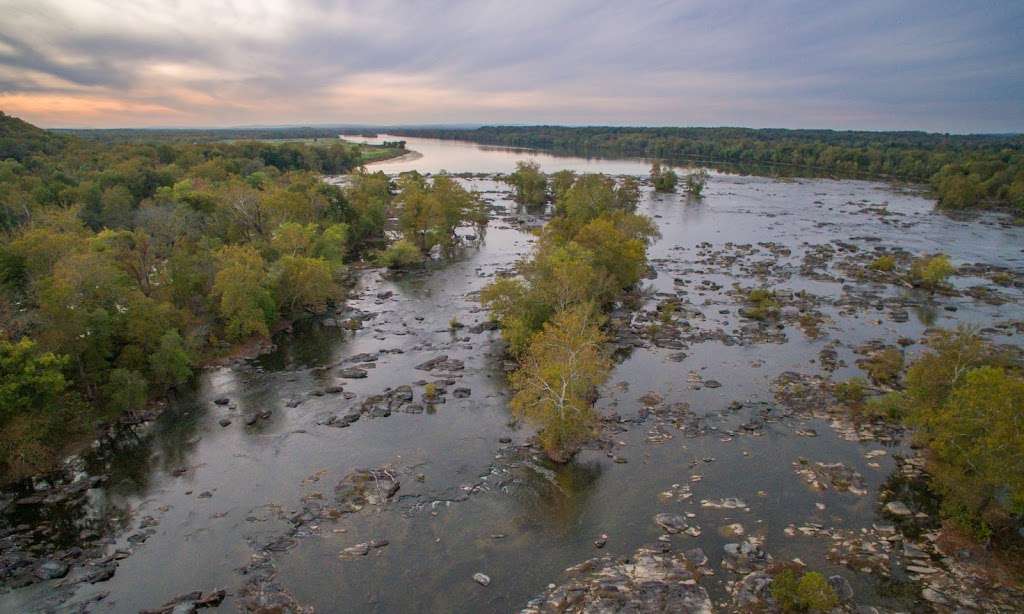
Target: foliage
884	264
171	363
401	254
931	271
530	184
241	285
30	380
884	367
972	170
761	304
964	400
561	181
126	390
430	212
851	392
594	248
663	177
133	256
302	283
557	381
808	592
36	404
695	182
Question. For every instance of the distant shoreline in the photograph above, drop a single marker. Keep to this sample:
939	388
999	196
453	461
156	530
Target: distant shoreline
408	156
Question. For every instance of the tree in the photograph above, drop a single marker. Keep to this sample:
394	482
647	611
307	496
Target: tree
561	181
432	211
977	440
401	254
171	364
369	195
240	285
302	283
333	244
695	182
557	382
531	186
294	239
126	390
30	380
663	177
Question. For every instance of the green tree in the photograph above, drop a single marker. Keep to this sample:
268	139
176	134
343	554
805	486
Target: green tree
561	181
126	390
663	177
695	182
30	380
530	184
171	363
332	245
432	211
240	286
401	254
294	239
303	284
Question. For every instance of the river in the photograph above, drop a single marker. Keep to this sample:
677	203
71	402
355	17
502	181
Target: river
189	504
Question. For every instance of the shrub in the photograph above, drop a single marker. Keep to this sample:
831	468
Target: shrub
663	177
885	264
884	367
695	182
401	254
809	592
761	305
931	272
851	392
891	406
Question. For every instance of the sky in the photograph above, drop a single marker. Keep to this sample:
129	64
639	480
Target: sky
936	65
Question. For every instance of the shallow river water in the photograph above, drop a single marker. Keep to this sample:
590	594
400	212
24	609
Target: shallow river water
193	505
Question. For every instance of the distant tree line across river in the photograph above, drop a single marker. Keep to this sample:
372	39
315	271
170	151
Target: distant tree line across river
964	171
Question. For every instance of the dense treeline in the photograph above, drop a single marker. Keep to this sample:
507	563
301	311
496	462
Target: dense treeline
551	315
149	135
963	170
125	266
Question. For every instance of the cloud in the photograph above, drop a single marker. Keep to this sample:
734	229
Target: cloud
946	66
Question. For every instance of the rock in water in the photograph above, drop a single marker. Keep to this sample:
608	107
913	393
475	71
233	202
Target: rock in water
364	487
897	508
671	523
649	581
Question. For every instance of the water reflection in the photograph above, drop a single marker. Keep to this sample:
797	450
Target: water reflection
552	498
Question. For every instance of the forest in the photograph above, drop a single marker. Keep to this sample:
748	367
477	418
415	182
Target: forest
125	266
963	171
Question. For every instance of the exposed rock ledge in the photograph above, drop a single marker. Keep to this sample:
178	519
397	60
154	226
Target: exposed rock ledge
649	581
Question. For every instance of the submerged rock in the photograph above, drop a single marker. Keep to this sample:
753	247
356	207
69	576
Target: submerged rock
364	487
671	523
352	373
481	579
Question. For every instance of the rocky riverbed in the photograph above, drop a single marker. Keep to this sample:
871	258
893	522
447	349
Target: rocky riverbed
369	461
